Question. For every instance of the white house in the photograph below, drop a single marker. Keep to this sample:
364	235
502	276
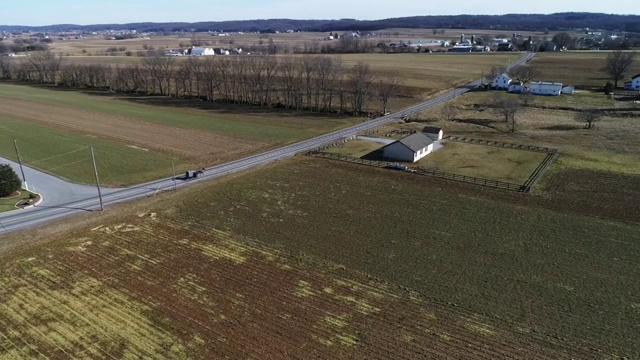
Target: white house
433	133
516	87
569	90
197	51
545	88
408	149
501	82
634	84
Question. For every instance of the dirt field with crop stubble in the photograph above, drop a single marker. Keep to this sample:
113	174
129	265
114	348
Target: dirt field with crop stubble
142	285
187	143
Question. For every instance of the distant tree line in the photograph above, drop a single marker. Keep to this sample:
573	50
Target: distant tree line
311	83
24	45
520	22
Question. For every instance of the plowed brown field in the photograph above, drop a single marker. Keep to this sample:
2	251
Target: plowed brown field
145	287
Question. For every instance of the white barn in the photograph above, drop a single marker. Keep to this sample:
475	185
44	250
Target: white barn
409	149
545	88
501	82
197	51
634	84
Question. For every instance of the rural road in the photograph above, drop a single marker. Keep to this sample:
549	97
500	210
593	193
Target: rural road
29	218
54	191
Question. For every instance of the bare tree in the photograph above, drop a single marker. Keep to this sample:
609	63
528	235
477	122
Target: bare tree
524	74
360	80
493	73
562	40
507	108
527	98
449	112
588	117
387	88
618	63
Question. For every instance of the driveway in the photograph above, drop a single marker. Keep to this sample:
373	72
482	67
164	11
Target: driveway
55	191
375	139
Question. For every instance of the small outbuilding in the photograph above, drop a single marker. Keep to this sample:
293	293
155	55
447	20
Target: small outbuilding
409	149
516	87
569	90
433	133
545	88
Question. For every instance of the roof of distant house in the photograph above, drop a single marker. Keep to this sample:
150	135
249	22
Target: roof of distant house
415	142
431	130
635	77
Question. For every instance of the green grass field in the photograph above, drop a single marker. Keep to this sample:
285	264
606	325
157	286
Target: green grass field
245	122
66	154
548	271
50	123
486	162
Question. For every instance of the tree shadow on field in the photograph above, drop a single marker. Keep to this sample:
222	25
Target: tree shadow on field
563	127
489	123
191	103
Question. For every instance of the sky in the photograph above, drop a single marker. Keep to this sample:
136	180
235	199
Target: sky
85	12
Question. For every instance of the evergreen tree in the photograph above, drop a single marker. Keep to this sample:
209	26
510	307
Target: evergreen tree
9	181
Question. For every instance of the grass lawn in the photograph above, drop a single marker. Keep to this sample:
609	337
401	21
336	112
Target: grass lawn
45	148
487	162
8	204
504	256
356	148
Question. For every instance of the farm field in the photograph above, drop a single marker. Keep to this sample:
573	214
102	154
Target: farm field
579	68
136	137
534	261
177	277
98	45
422	74
486	162
550	122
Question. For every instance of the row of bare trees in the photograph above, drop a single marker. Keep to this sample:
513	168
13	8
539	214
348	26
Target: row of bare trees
313	83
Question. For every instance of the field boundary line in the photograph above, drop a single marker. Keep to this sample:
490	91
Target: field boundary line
421	171
500	144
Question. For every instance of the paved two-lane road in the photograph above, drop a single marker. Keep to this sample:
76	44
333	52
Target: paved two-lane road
24	219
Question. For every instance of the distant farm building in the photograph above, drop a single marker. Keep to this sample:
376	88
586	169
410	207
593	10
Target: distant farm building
516	87
434	133
198	51
409	149
545	88
634	84
501	82
569	90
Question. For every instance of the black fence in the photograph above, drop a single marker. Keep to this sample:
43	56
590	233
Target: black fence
421	171
501	144
346	158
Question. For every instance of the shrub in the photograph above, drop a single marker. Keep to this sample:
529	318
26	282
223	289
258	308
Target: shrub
9	181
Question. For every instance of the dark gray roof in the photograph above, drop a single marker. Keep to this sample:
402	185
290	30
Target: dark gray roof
415	142
431	130
635	77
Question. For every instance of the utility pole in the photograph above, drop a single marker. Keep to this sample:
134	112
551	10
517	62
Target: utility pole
174	175
24	179
95	170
